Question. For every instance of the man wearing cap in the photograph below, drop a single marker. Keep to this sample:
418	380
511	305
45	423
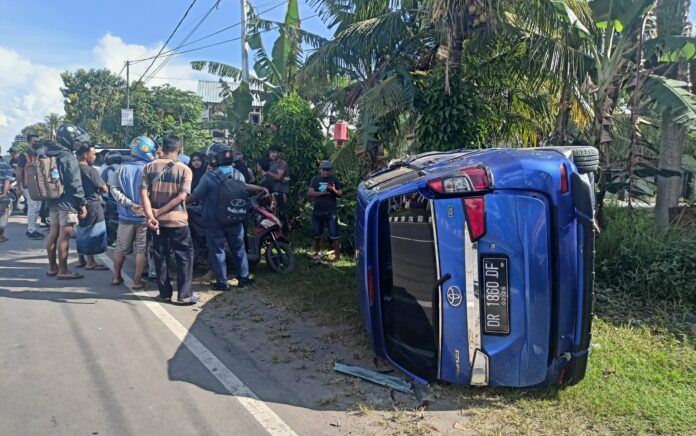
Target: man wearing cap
325	189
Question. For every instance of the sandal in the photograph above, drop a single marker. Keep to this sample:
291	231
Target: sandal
51	274
97	268
138	287
73	276
116	282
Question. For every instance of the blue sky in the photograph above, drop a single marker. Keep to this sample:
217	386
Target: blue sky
41	38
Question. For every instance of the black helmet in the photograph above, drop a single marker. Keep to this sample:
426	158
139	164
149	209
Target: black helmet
219	155
113	157
71	137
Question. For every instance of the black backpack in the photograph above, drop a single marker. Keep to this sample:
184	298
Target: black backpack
233	200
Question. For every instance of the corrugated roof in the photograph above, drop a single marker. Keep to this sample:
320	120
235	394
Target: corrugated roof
210	90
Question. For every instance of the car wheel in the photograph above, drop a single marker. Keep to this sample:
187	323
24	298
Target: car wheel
585	158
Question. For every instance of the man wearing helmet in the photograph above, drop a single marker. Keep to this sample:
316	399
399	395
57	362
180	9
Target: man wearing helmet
132	226
113	161
64	210
221	158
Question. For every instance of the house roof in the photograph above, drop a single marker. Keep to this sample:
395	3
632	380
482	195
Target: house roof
210	91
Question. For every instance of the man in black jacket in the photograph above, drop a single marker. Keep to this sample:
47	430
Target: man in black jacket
65	210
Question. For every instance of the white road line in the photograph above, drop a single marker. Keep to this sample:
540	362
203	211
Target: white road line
268	419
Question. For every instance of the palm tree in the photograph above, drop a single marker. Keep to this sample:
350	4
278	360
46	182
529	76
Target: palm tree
53	121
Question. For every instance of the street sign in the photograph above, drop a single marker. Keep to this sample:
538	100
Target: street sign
127	117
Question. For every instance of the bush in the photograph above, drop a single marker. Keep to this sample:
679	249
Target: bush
299	133
637	259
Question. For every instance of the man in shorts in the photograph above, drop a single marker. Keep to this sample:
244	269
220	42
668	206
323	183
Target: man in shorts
132	226
325	189
64	210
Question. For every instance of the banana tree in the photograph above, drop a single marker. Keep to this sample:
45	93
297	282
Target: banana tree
275	75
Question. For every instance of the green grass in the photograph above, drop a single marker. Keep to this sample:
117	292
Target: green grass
641	377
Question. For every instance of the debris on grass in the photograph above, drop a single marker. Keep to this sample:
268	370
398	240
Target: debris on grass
375	377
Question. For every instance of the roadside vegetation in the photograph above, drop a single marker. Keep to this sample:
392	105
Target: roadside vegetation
642	370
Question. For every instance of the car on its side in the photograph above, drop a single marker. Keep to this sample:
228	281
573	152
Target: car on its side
476	266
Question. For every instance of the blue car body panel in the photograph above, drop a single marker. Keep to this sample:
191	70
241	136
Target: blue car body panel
544	235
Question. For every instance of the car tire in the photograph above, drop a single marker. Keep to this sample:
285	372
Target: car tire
585	158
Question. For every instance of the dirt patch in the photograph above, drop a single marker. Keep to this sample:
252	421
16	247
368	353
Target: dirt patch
301	353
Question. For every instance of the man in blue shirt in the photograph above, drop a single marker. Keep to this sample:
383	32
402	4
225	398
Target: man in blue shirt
221	158
125	187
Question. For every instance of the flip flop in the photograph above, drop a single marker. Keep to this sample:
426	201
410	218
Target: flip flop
52	274
138	287
73	276
116	283
97	268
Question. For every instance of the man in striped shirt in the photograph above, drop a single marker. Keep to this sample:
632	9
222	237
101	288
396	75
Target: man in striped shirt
166	183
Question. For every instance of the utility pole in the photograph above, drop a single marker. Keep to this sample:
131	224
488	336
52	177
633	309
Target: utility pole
245	54
127	97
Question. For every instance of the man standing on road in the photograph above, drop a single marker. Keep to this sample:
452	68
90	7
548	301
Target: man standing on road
64	210
125	187
5	198
325	189
94	186
220	157
35	149
166	183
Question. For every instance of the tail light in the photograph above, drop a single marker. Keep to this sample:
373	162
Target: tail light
371	285
466	180
475	209
564	179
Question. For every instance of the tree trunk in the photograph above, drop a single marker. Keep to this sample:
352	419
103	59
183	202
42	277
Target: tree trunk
672	145
672	19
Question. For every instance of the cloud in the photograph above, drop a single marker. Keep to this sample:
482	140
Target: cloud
28	94
30	91
111	52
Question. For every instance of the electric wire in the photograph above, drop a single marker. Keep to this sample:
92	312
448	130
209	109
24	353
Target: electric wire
169	39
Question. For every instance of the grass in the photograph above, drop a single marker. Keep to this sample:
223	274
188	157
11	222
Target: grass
641	377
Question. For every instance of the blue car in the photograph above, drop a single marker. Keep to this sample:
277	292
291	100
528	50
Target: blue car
476	267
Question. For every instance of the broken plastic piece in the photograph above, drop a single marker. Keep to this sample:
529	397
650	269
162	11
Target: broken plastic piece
375	377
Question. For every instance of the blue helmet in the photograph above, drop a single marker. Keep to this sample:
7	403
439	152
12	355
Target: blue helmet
143	148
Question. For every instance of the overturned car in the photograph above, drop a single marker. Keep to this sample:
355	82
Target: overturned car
476	267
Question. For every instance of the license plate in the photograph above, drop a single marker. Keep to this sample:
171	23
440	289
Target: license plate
496	295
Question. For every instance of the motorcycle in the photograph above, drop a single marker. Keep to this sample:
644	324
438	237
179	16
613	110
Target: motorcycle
266	238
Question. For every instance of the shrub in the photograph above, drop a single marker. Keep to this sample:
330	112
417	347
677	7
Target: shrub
299	133
636	258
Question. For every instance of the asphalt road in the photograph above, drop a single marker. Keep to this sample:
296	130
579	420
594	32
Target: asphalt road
83	357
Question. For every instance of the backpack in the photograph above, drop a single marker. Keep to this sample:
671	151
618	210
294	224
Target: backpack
42	178
233	200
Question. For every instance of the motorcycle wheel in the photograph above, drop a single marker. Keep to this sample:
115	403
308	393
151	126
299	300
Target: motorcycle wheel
279	257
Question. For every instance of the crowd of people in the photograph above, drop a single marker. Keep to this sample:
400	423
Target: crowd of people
152	191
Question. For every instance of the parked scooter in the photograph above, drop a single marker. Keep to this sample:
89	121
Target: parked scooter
266	238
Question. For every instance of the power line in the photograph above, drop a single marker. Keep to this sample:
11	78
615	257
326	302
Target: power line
169	39
212	34
198	25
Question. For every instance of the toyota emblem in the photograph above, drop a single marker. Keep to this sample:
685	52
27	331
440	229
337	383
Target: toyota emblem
454	296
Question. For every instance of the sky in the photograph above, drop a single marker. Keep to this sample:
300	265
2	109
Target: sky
39	39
